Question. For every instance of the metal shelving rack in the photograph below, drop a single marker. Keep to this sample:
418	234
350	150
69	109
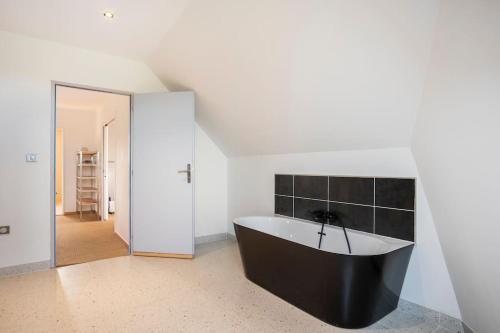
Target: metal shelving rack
87	181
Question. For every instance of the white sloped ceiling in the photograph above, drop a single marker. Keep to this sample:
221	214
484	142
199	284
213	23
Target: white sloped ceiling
276	76
134	32
271	76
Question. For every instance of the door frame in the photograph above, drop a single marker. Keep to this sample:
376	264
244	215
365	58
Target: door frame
62	169
105	169
53	128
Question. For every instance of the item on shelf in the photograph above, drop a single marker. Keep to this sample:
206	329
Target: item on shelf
111	208
87	181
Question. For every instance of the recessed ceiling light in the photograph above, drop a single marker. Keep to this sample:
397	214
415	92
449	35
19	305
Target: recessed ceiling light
109	15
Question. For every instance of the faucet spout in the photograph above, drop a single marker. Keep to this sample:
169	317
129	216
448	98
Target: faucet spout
322	217
321	234
331	216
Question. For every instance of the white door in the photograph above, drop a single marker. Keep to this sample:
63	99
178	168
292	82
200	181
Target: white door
162	186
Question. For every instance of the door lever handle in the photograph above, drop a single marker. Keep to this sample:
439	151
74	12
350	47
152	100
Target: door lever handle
187	172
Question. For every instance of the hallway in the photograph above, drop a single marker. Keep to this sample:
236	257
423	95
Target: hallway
87	240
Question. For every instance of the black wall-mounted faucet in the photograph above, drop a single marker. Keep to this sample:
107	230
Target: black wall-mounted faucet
329	217
332	217
321	216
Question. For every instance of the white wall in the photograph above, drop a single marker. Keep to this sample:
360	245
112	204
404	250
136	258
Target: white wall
456	146
79	130
27	67
210	186
251	188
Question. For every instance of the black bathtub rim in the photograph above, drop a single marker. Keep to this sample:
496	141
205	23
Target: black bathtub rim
355	231
380	237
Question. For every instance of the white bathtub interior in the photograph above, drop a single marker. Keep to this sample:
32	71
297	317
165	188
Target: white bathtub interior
306	233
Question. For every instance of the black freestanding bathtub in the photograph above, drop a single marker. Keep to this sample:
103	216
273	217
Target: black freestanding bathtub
346	290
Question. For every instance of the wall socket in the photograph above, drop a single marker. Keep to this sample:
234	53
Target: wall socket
31	157
4	229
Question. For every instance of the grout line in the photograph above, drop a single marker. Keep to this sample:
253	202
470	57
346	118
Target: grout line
328	196
284	195
352	203
415	209
393	208
346	203
311	199
343	176
374	202
293	196
328	188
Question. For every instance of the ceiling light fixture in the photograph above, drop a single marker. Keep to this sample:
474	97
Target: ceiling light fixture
108	15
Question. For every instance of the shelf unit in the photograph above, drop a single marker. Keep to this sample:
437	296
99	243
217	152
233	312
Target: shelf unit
87	181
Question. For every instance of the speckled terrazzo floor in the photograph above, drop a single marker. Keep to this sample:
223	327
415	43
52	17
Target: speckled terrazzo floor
139	294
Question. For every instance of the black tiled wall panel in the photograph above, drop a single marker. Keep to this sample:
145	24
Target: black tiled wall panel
311	210
283	184
352	189
283	205
314	187
353	216
395	193
384	206
395	223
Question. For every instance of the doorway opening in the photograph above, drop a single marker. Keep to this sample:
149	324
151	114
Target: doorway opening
92	175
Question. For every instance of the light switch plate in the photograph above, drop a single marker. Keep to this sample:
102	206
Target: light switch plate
4	229
31	157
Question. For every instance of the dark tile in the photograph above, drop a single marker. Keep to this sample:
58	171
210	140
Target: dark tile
283	205
395	223
351	189
396	193
283	184
314	187
353	216
310	209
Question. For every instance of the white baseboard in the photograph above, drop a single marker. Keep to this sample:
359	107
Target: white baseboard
210	238
467	329
121	237
24	268
450	323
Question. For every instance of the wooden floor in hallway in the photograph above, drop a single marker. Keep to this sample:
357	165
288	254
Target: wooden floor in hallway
86	240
